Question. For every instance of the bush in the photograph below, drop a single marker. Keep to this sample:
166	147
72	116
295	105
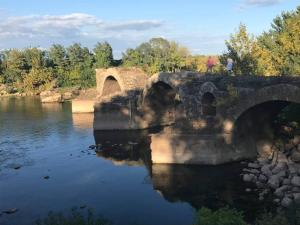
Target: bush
223	216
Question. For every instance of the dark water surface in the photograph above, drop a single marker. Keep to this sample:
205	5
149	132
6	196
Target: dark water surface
119	182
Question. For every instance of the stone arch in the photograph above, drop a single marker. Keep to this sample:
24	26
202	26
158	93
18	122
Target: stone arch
110	86
251	124
160	100
128	79
208	87
280	92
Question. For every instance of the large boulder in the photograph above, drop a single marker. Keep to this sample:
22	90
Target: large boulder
274	182
286	202
68	96
296	181
296	140
266	170
51	97
249	177
296	198
295	156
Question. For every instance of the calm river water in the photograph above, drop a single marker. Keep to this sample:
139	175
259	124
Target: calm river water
119	182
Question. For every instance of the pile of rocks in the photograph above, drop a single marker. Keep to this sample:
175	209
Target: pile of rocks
278	174
55	96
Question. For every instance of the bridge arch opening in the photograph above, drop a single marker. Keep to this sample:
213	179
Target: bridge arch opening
159	104
111	86
256	128
208	103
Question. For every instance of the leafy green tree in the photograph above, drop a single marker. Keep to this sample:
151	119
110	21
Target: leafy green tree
35	58
58	56
15	65
282	43
157	55
103	55
81	70
242	48
1	69
37	79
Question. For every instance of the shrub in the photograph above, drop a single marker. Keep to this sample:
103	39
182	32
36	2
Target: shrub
223	216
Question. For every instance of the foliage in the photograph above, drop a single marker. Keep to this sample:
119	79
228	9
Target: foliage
222	216
37	79
281	45
157	55
75	218
199	63
270	219
242	48
103	55
276	52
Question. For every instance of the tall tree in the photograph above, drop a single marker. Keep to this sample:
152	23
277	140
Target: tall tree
282	43
15	65
157	55
103	55
242	48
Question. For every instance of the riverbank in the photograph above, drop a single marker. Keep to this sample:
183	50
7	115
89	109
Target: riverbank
278	173
53	95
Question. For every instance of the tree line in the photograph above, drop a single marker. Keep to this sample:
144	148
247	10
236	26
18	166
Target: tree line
274	52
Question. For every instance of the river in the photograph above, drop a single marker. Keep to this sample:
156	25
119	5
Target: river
46	165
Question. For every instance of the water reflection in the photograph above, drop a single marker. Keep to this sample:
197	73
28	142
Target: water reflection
83	121
119	180
200	186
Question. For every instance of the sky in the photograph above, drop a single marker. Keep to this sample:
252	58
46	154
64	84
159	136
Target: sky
200	25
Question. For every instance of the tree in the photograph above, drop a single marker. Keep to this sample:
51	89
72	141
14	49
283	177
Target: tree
81	71
157	55
58	56
242	48
35	58
15	65
37	79
103	55
282	43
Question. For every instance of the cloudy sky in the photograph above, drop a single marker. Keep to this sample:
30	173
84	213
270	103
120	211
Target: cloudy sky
200	25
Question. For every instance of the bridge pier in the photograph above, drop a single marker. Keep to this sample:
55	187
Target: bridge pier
170	146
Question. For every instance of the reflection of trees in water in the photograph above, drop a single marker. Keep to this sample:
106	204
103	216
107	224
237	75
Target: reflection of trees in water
28	118
129	147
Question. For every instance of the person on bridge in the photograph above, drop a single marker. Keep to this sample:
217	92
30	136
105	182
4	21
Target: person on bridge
229	66
210	64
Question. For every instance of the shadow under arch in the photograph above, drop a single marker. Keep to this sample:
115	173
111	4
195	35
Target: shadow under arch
254	129
110	86
208	102
159	104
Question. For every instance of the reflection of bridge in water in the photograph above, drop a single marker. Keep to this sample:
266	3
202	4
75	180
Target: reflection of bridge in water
209	186
207	119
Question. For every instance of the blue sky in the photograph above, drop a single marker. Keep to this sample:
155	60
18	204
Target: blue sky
200	25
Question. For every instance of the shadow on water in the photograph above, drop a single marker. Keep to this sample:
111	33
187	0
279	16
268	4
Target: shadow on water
200	186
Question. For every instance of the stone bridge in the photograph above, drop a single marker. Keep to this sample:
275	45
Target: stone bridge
228	115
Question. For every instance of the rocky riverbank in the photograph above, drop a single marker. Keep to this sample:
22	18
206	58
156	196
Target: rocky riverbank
59	95
53	95
279	173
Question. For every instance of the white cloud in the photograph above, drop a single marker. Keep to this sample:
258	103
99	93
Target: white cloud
67	26
258	3
45	30
262	2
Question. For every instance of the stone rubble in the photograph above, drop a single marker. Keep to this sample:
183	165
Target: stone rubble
280	176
